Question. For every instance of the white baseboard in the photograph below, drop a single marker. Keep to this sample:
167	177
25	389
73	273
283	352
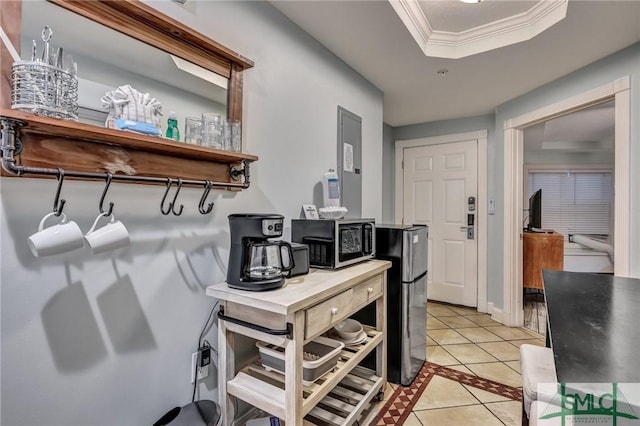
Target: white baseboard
496	314
482	306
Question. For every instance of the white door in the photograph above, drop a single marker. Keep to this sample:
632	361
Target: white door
438	181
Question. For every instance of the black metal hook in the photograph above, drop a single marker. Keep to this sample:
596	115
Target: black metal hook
207	189
175	197
58	204
104	193
164	198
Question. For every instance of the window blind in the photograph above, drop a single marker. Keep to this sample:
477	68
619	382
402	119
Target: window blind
574	201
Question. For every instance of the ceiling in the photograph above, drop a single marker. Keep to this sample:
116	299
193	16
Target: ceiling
372	38
455	16
591	130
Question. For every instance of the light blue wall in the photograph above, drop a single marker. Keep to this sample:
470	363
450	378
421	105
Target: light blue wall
388	173
623	63
107	339
445	127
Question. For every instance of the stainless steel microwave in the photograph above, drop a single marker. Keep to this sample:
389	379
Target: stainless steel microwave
334	243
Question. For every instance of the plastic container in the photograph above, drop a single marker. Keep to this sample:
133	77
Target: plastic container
172	127
331	189
325	352
332	212
265	421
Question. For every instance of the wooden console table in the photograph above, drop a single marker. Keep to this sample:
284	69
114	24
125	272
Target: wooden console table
302	310
540	251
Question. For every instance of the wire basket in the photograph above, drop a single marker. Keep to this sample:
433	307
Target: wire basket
44	89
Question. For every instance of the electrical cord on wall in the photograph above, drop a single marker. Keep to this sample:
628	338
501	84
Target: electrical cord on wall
203	345
195	377
206	324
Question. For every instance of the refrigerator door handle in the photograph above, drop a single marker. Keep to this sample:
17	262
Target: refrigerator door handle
416	278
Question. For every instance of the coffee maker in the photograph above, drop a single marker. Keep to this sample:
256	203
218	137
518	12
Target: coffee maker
255	263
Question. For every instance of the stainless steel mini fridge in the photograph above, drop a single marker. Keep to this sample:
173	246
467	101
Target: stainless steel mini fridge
406	247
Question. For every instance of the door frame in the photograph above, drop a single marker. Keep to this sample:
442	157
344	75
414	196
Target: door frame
480	137
618	90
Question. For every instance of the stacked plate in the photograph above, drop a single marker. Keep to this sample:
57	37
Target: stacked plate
355	341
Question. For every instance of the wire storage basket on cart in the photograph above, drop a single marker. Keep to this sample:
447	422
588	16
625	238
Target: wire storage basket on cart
44	89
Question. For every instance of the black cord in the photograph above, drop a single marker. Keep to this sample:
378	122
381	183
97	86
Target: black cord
200	342
195	377
206	324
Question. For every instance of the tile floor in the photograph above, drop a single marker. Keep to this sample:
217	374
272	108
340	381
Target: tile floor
465	340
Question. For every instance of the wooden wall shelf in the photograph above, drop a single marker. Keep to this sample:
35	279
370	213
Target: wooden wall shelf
52	143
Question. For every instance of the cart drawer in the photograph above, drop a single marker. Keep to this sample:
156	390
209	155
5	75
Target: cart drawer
324	315
367	291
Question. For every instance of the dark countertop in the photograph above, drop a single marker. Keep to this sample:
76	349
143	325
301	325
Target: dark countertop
594	326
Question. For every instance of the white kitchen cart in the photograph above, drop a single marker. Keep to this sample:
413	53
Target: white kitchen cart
303	309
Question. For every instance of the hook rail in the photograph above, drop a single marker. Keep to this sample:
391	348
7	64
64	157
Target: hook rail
164	198
11	145
104	193
175	198
58	204
203	199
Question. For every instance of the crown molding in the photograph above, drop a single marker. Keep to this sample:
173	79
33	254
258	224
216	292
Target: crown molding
504	32
412	16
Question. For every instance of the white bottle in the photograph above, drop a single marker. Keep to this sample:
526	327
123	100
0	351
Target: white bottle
331	189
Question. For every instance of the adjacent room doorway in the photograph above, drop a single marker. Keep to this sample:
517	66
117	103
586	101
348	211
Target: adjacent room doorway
617	91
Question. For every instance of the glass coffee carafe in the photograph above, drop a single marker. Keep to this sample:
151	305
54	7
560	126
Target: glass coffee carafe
264	260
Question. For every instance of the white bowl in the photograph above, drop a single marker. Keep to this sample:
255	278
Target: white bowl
348	329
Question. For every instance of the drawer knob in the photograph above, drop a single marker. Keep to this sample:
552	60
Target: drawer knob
334	311
370	290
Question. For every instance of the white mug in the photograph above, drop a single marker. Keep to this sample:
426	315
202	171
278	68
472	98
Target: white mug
111	236
59	238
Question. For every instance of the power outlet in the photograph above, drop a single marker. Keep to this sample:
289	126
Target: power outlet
202	371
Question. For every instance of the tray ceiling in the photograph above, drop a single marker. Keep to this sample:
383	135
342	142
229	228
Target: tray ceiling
371	38
449	29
